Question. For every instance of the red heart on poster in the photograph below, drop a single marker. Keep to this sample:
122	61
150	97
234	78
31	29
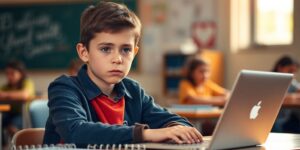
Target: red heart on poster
204	34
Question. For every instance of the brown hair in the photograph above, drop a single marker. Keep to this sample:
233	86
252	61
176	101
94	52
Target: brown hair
75	66
285	61
20	67
192	65
107	17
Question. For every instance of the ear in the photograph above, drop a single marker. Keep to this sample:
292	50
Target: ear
136	50
82	52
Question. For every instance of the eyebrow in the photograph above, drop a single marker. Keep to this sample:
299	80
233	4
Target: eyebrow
106	44
111	44
127	45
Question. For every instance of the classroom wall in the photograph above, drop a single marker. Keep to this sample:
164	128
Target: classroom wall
149	74
259	59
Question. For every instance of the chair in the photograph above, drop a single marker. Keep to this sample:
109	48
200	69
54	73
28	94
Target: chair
39	112
29	136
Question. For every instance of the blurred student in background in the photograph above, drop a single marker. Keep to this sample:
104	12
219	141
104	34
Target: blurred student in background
197	88
75	66
19	88
287	64
288	120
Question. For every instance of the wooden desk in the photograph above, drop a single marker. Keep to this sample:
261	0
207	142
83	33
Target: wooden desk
3	108
291	103
282	141
24	104
196	117
288	102
276	141
200	114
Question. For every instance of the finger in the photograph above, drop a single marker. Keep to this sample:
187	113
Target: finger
199	135
183	136
176	140
195	135
189	134
192	135
184	133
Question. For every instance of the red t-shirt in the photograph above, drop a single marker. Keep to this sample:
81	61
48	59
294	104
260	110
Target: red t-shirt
109	111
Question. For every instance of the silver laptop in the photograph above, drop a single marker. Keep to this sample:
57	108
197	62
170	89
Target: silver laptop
248	115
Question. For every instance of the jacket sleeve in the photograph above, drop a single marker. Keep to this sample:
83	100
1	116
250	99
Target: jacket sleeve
156	116
71	119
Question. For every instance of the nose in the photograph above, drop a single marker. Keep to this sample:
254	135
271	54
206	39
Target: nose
117	58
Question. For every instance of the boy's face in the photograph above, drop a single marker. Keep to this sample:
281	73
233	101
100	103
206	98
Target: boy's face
109	56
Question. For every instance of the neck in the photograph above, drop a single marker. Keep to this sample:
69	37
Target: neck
106	88
199	85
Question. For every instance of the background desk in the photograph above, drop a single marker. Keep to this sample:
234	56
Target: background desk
197	117
294	103
3	108
24	104
201	114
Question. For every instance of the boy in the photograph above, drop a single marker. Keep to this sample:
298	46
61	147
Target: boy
100	105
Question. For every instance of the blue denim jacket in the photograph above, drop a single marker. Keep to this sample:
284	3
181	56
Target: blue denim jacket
73	120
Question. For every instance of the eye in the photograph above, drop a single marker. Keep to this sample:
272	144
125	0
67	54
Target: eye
126	50
105	49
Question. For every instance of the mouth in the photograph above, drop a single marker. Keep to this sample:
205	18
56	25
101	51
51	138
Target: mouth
116	72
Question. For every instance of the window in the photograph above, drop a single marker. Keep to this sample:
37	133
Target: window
260	24
273	22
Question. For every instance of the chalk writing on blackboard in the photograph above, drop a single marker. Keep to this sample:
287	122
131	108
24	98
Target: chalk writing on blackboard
32	34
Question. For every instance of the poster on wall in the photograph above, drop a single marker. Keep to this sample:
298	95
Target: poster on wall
204	34
196	23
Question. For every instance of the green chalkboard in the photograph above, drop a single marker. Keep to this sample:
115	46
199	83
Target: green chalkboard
43	36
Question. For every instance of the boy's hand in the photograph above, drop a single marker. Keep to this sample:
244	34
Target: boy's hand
179	134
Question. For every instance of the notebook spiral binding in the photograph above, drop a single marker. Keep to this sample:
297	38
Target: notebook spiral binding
44	147
73	147
117	147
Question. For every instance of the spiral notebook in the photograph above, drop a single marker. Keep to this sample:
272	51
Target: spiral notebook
73	147
142	146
